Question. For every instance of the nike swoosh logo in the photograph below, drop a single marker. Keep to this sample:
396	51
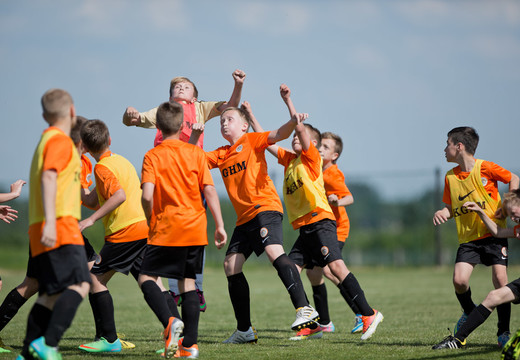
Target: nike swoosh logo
465	196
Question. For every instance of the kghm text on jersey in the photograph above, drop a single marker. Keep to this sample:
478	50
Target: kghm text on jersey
458	211
233	169
295	185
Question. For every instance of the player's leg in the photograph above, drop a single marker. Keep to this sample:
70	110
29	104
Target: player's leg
198	284
499	276
319	295
238	289
16	299
461	275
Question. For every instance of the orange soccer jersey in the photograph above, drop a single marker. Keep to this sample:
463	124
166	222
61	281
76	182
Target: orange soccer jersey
58	154
490	173
335	184
244	171
86	172
106	185
179	172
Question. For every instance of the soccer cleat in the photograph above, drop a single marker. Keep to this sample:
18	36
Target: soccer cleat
358	324
172	334
511	350
202	301
305	316
189	353
243	337
39	350
450	342
503	339
308	333
370	324
125	344
460	322
102	345
330	328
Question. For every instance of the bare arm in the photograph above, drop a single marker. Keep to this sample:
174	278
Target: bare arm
89	198
246	106
111	204
49	189
239	76
147	200
196	130
344	201
16	189
285	93
514	183
8	214
493	227
131	117
442	215
210	193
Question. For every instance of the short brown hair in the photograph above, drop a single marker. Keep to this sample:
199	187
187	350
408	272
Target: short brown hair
56	103
314	133
169	118
243	115
180	79
95	136
465	135
75	131
511	199
338	143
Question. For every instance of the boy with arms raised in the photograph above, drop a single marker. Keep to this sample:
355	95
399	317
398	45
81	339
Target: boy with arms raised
174	176
475	180
184	92
118	196
259	212
509	293
56	245
308	210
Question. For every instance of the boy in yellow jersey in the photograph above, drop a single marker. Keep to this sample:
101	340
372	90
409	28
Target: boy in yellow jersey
118	195
309	211
509	293
56	245
475	180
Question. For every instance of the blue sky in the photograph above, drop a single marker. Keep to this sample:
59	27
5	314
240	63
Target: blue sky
390	77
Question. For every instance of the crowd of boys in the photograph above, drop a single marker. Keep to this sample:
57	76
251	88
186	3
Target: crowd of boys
147	233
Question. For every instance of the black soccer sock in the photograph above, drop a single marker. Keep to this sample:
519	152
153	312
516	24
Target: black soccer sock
95	314
171	304
239	294
319	294
156	301
288	272
105	322
504	318
466	302
353	289
475	319
62	315
190	314
37	324
349	301
12	303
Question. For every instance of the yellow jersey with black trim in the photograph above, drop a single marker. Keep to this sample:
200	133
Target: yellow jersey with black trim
469	225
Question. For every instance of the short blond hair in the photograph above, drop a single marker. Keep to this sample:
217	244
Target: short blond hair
56	103
511	199
180	79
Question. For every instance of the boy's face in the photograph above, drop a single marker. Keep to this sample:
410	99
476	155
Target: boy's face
183	91
451	150
231	125
514	214
327	150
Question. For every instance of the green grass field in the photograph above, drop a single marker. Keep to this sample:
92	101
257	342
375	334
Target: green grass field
418	304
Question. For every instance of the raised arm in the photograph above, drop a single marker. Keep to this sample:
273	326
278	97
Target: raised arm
210	193
196	130
514	183
246	106
285	93
493	227
131	117
239	76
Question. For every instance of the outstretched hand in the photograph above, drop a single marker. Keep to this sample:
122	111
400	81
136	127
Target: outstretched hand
8	214
197	128
16	187
299	118
132	114
470	205
285	92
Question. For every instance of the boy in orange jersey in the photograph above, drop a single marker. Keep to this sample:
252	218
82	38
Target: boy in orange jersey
184	92
259	217
56	245
475	180
174	177
309	211
118	196
338	196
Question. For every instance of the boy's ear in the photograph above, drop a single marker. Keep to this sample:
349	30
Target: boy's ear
109	140
315	143
72	111
335	156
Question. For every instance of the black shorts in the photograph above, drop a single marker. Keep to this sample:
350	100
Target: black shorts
173	262
317	245
488	251
89	250
57	269
122	257
264	229
515	288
